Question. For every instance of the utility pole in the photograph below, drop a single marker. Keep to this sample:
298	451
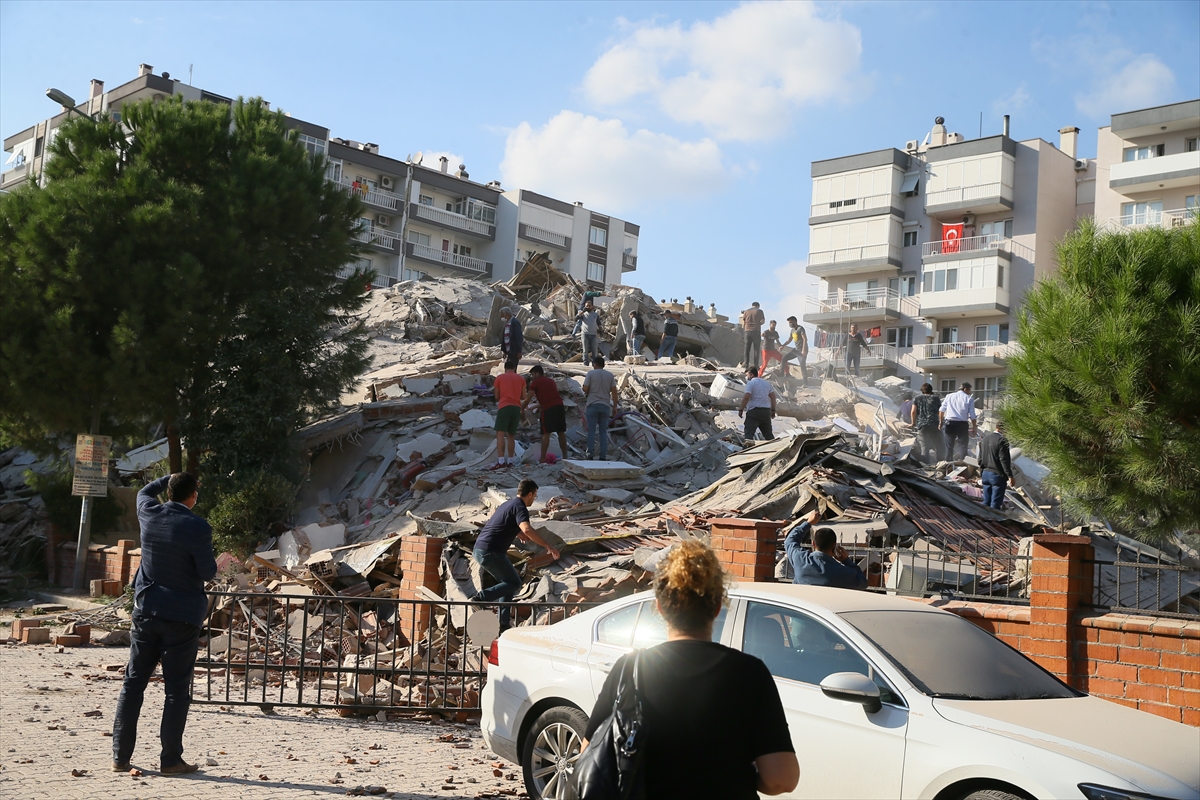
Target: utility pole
98	487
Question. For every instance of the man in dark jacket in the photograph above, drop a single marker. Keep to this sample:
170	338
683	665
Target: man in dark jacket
996	462
169	607
924	417
827	563
512	340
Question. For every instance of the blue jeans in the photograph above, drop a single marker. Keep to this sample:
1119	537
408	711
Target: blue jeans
508	581
154	640
635	345
993	488
667	347
591	347
598	415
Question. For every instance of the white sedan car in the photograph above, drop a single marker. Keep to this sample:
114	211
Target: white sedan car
885	698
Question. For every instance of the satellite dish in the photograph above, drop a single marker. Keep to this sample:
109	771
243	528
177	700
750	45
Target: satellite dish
418	158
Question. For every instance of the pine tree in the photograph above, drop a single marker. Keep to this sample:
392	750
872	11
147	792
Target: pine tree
1106	387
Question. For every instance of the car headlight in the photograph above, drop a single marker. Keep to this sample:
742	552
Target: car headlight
1093	792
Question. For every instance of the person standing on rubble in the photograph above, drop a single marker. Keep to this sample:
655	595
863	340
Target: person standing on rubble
550	404
924	416
758	405
509	388
589	320
666	348
169	607
827	563
600	403
958	410
854	347
491	548
995	459
798	341
637	333
513	341
752	320
771	350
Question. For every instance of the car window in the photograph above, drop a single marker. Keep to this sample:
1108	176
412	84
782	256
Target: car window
797	647
652	628
617	627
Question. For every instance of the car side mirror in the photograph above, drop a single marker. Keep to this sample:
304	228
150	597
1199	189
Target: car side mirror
853	687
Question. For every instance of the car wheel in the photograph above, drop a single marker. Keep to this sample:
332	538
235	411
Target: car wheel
551	750
991	794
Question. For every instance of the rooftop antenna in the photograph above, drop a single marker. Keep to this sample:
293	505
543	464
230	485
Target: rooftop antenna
980	124
190	66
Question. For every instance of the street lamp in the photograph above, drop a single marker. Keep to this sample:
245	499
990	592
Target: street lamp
60	97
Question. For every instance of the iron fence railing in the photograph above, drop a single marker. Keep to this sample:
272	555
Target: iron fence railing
351	653
1140	580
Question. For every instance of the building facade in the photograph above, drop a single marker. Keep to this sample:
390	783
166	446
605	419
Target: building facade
418	219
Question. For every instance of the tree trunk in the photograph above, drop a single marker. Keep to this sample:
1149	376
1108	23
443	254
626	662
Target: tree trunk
174	449
193	461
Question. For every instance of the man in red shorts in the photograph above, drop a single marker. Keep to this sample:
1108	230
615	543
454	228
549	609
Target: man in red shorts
554	413
509	388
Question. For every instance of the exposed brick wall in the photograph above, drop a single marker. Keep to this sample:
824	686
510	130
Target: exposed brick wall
420	563
746	547
117	562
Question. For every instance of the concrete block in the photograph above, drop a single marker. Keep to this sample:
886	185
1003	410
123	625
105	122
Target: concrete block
19	627
96	588
84	632
67	640
35	636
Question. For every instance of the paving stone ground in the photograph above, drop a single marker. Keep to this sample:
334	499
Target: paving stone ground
44	735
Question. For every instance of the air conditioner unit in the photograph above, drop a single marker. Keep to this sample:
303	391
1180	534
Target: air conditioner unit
384	220
1081	164
968	219
911	146
385	182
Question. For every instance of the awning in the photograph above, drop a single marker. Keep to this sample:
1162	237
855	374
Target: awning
910	182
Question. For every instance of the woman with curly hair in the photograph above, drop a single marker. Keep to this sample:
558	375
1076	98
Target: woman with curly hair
715	724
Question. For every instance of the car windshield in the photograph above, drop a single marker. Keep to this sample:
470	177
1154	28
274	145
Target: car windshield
946	656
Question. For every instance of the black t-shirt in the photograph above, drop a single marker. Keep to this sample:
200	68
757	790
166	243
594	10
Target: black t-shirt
670	328
854	343
710	711
927	406
770	339
499	532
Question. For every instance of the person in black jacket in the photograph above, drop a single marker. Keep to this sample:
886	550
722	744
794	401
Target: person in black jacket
637	333
996	462
670	333
169	607
512	340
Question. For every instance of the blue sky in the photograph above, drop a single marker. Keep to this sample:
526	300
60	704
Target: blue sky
697	121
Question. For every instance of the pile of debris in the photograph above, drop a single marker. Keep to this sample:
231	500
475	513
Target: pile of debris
22	516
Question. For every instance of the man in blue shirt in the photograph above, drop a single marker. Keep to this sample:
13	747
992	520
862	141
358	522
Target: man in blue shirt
491	548
169	608
827	563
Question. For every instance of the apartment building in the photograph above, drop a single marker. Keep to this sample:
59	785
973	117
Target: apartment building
1148	167
418	219
929	251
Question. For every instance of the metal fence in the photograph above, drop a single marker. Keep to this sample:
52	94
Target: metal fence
363	654
968	574
1141	580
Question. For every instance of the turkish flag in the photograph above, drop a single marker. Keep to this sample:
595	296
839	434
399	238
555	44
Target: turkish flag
951	235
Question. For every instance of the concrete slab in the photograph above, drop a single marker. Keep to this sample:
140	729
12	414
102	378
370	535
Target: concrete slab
832	390
426	444
477	418
603	470
459	404
420	385
459	384
616	495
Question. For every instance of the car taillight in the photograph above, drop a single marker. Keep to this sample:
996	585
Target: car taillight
494	653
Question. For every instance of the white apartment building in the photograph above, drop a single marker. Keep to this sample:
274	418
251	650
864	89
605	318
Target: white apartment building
418	220
1148	167
930	250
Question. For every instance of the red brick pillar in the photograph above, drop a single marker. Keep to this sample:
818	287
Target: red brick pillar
1061	582
420	561
746	547
124	548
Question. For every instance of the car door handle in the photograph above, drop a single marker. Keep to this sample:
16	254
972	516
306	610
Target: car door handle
605	666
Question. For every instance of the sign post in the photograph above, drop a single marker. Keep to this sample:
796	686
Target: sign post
90	481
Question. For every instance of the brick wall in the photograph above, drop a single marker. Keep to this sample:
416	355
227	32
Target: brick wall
117	562
746	547
420	563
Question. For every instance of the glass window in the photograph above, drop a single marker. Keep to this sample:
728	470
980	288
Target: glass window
413	275
945	655
947	386
595	271
426	200
1190	145
617	627
1000	276
951	280
1002	334
904	337
416	237
314	146
939	280
598	236
910	238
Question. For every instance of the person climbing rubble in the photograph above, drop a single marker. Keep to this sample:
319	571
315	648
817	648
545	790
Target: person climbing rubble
797	342
758	406
589	321
600	402
552	411
752	320
771	351
666	347
513	341
509	388
827	563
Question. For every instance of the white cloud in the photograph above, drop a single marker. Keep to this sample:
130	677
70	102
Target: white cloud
792	285
431	159
1142	82
1016	101
607	166
741	76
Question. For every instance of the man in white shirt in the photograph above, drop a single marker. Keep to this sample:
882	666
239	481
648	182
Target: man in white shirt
758	405
955	417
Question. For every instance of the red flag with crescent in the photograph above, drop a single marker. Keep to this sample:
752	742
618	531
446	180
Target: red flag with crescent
951	236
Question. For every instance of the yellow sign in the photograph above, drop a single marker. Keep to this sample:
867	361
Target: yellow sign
91	465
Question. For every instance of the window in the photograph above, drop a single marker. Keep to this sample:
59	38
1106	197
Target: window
471	208
910	186
37	147
314	146
1142	153
992	333
1191	145
1148	213
598	236
999	276
1001	228
910	238
617	627
860	291
947	386
949	335
426	200
462	250
413	275
595	272
899	337
416	237
640	625
904	286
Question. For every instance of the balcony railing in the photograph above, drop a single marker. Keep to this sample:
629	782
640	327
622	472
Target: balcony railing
982	349
543	235
843	301
380	281
869	252
1175	218
857	204
450	219
446	257
975	244
837	355
376	237
628	261
966	194
376	197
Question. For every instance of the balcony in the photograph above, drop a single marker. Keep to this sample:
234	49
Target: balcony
876	356
628	262
840	207
15	175
1175	218
958	303
533	233
382	240
941	358
380	281
979	199
445	258
374	197
1151	174
973	247
870	305
853	260
453	221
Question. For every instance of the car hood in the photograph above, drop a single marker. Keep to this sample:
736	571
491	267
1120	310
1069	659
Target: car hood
1155	754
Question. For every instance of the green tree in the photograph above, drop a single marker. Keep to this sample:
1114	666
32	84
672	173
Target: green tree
1106	388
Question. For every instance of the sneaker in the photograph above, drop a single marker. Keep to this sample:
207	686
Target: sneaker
119	766
497	466
182	768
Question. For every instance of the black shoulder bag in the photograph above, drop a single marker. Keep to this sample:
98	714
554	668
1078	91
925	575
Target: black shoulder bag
612	766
